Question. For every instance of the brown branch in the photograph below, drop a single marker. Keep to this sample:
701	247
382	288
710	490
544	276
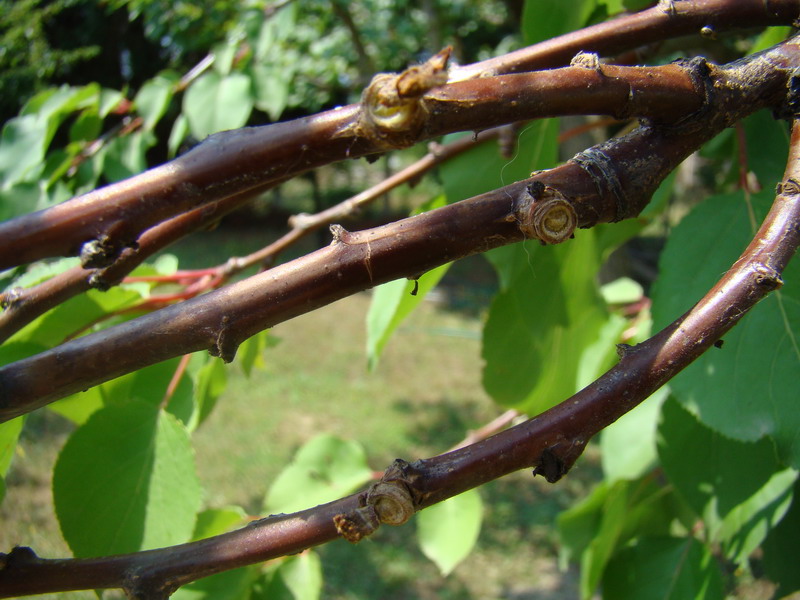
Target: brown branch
302	224
667	20
550	443
606	183
23	305
99	225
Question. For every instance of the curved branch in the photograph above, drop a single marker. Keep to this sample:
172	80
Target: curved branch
22	305
607	183
99	225
550	443
668	19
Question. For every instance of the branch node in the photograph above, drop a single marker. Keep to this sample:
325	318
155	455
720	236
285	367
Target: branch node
602	170
392	108
98	281
357	524
18	557
339	233
387	501
98	253
225	346
11	298
301	221
587	60
668	7
793	95
624	350
790	187
556	460
707	31
550	218
700	70
767	277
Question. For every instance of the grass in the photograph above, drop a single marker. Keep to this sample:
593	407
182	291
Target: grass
424	397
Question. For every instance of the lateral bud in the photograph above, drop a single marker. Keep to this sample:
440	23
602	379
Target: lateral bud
393	110
586	60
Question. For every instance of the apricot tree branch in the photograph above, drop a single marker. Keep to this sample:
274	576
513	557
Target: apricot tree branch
550	443
99	225
23	305
250	159
606	183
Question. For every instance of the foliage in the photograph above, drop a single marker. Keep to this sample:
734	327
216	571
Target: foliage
659	521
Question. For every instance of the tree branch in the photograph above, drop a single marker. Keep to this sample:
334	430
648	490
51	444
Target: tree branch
23	305
550	443
609	182
99	225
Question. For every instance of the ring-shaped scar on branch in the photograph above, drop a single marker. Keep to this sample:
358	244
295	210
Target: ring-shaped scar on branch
549	443
609	182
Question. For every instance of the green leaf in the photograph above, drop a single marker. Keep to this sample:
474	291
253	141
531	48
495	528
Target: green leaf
86	127
75	315
216	103
739	489
541	324
43	271
108	101
9	434
209	383
295	578
622	291
79	407
14	351
324	469
767	146
224	54
126	156
272	85
748	388
578	525
153	98
484	168
394	301
391	303
125	481
780	550
251	351
447	531
302	575
543	19
663	569
235	584
180	129
216	521
605	521
606	540
628	446
18	198
22	147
